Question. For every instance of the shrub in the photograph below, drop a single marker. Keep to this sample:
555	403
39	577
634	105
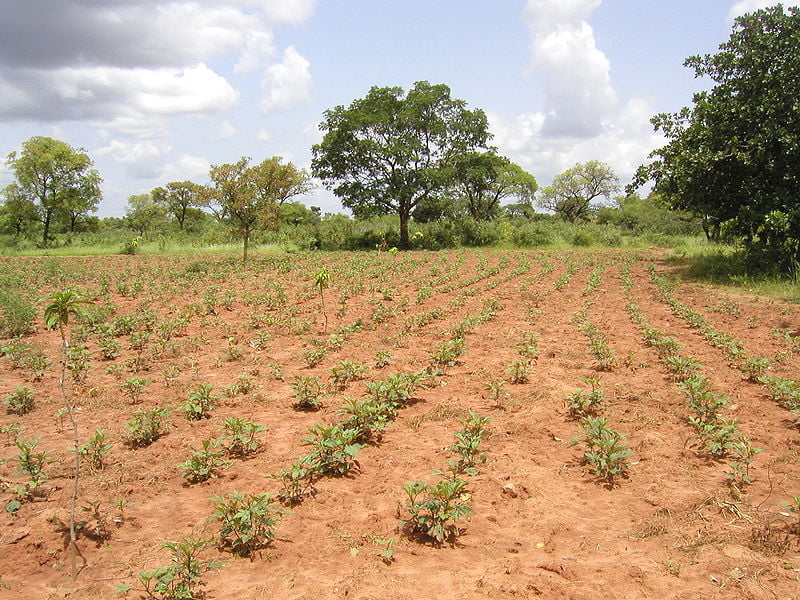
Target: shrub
200	403
435	510
18	313
247	521
239	437
204	463
20	402
146	426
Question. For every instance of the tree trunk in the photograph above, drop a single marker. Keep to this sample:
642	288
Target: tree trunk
404	244
48	214
246	234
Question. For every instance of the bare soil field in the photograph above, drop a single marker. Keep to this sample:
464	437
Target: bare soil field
642	440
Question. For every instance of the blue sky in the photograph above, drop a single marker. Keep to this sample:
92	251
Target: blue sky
157	90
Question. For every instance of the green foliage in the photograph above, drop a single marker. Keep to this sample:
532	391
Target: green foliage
31	464
180	579
95	450
204	463
580	404
731	158
57	179
468	442
387	152
247	521
249	195
17	313
314	356
239	436
133	388
434	510
308	392
26	355
519	371
606	454
200	403
346	372
146	426
572	192
334	448
297	481
20	402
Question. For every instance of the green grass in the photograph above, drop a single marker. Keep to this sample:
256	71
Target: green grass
726	267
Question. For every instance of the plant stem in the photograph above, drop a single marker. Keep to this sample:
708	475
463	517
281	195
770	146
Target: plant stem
68	405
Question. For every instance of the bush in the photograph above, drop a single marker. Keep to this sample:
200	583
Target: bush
247	521
18	313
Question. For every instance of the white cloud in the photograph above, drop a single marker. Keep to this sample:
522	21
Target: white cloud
225	131
187	167
288	11
745	6
103	60
313	133
287	83
263	136
624	142
142	159
575	73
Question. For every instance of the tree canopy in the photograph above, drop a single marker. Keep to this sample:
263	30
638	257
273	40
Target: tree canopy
733	158
57	178
178	197
484	179
248	197
389	151
573	192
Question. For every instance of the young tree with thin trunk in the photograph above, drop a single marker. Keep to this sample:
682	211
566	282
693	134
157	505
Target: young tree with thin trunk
248	197
61	306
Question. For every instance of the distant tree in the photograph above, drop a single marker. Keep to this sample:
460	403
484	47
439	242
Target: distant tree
733	158
573	192
54	175
389	151
18	213
79	201
178	197
249	197
143	214
484	179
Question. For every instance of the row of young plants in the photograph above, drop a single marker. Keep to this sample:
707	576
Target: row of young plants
606	454
719	437
783	390
433	510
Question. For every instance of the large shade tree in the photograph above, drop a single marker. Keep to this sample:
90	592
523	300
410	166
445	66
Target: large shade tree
576	191
56	178
248	197
733	158
389	151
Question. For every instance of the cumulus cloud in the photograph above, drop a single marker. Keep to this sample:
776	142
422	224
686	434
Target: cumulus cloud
225	131
186	168
625	140
287	84
745	6
574	72
263	136
142	159
130	59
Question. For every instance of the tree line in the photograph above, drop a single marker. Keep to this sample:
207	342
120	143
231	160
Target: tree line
732	160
